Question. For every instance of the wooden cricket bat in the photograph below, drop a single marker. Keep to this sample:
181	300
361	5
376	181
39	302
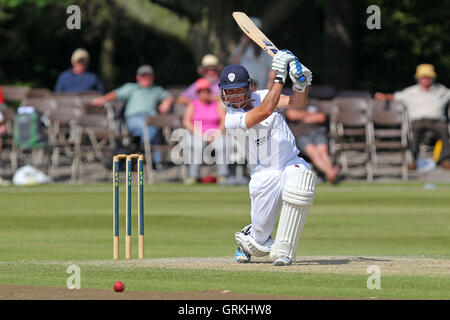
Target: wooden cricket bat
254	33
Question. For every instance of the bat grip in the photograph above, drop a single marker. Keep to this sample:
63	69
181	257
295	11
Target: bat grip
302	78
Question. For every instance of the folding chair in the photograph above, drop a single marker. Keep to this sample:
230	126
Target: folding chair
39	93
44	105
389	131
67	100
351	130
62	136
322	92
15	93
94	134
166	122
7	141
354	94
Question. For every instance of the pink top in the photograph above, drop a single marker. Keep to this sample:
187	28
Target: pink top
206	113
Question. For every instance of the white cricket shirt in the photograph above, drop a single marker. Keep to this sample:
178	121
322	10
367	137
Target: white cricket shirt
270	145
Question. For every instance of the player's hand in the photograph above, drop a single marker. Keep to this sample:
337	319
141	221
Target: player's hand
280	65
297	71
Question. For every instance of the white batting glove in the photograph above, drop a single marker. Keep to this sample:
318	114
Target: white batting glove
280	65
300	75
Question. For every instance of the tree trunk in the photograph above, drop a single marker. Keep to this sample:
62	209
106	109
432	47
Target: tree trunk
107	60
338	48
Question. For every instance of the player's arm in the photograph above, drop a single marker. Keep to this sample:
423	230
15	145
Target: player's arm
297	100
300	89
265	109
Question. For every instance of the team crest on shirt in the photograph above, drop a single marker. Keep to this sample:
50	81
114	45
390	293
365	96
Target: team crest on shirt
231	77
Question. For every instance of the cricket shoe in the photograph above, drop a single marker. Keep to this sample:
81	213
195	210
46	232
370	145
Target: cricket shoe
282	261
241	256
250	246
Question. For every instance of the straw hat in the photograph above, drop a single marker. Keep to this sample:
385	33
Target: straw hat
425	70
209	61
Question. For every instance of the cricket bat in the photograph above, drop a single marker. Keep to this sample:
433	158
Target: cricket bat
254	33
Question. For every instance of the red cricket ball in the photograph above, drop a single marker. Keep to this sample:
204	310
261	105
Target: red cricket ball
119	286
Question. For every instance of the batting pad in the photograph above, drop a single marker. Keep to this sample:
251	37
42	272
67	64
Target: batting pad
298	196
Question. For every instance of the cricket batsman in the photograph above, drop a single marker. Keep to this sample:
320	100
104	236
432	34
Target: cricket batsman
280	179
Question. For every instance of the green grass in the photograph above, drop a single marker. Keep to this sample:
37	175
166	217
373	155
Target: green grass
66	223
273	283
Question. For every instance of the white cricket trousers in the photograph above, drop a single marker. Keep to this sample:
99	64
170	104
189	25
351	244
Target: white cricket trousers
266	189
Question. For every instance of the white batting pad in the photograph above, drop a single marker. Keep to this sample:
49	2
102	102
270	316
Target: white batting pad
298	196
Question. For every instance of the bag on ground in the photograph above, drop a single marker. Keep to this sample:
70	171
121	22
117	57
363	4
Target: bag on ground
29	129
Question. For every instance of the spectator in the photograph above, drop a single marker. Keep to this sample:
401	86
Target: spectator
2	100
205	120
143	98
2	118
209	69
77	79
307	125
2	127
254	59
2	133
425	103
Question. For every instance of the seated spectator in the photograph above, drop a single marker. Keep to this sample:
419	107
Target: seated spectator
209	69
2	128
2	100
143	98
307	126
2	119
205	120
77	79
425	103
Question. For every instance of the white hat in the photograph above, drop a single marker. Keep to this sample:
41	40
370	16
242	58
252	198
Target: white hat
80	54
209	60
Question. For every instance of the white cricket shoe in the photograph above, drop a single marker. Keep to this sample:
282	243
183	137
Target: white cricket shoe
250	246
241	256
282	261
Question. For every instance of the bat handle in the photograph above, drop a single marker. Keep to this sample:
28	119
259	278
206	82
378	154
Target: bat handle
302	78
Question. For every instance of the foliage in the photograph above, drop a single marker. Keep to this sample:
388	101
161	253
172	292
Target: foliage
412	32
36	45
173	35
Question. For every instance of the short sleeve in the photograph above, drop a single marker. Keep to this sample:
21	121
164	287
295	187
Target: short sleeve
400	96
163	94
190	92
125	91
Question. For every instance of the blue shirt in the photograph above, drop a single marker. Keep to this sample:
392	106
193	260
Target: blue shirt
68	81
